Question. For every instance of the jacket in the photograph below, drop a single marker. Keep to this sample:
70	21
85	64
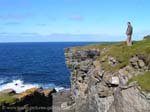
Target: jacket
129	30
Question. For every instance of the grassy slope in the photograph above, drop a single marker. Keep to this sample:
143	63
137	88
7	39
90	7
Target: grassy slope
143	81
121	52
8	99
12	98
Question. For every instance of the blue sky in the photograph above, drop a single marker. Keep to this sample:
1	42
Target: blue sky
72	20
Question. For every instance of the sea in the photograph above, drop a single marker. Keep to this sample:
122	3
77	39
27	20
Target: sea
37	64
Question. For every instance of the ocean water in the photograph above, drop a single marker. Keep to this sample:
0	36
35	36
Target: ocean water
27	65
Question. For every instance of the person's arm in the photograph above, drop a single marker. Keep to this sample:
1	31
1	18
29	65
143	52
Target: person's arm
127	31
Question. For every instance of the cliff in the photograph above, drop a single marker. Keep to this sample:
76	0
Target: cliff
110	77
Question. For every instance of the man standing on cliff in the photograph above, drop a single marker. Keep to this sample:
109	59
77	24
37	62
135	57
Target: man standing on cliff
129	34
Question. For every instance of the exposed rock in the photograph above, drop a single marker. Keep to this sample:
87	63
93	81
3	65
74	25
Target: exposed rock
112	61
141	63
134	61
129	100
115	80
63	102
8	91
138	62
48	92
108	77
127	73
97	90
103	91
64	105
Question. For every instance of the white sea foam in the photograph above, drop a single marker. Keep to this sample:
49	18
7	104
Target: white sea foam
59	89
19	86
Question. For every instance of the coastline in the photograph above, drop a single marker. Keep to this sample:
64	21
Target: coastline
103	79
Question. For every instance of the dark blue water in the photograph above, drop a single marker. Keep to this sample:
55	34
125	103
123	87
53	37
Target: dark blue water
35	63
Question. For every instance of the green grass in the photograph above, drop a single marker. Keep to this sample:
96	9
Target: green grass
8	99
143	81
121	52
99	46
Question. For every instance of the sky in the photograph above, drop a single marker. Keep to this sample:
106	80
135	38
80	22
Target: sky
72	20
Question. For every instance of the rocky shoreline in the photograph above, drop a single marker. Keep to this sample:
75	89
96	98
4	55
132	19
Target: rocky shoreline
28	100
101	81
35	100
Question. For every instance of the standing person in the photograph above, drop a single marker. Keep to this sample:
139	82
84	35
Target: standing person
129	34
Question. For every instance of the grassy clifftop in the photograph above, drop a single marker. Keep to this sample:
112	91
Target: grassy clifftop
101	74
121	52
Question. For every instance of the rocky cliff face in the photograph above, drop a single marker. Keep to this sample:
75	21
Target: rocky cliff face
96	89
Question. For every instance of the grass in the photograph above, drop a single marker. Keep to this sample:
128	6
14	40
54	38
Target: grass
99	46
121	52
7	99
12	98
143	81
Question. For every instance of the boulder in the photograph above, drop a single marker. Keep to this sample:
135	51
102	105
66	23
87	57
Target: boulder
141	63
134	62
115	80
112	61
